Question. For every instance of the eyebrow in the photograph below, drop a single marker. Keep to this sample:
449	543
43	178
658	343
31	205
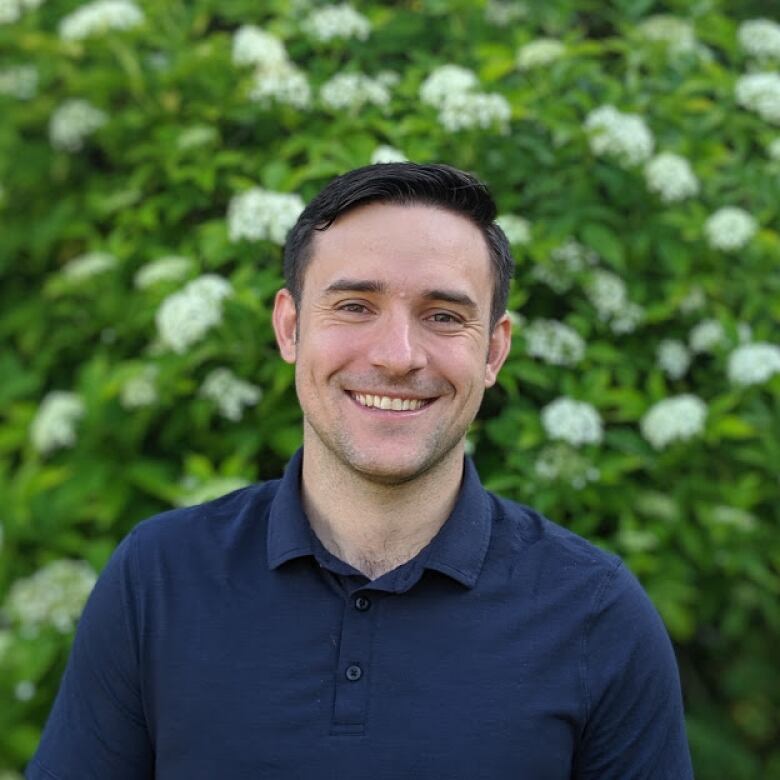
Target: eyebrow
371	286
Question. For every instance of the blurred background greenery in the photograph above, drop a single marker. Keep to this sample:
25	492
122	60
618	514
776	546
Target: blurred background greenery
152	158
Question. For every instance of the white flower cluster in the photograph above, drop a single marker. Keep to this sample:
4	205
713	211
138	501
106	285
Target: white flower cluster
559	462
607	292
516	229
336	21
54	425
387	154
230	393
19	81
88	265
25	690
140	390
276	77
502	13
261	214
677	33
706	336
628	319
538	53
53	596
254	46
673	357
671	177
12	10
774	149
187	315
678	418
624	137
760	92
72	122
753	364
729	229
575	422
693	301
98	17
170	268
566	262
734	516
451	90
760	38
352	91
554	342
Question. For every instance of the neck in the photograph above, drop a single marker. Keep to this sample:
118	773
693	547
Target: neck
376	527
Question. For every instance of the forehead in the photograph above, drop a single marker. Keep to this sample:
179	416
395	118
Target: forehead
409	244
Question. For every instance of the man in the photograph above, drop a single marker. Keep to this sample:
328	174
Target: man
374	613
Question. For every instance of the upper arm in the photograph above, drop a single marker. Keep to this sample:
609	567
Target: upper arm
97	727
635	726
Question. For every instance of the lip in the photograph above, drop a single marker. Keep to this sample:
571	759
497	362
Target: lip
391	413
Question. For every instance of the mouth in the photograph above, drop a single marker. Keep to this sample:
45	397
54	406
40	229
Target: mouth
390	403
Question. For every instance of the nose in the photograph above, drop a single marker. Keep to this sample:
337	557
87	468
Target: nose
396	344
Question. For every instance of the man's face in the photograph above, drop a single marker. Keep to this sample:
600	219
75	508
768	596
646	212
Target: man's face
394	349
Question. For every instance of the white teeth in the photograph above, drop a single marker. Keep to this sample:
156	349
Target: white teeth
385	402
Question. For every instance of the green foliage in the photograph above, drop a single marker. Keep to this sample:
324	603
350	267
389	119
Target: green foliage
691	504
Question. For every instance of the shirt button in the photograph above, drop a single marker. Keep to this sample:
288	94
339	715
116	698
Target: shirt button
354	673
362	603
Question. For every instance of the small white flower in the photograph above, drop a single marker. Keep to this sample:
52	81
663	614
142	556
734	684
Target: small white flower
774	149
140	390
516	229
253	46
99	17
54	425
673	358
24	690
693	301
565	263
678	418
671	177
387	154
12	10
353	91
470	110
444	82
538	53
229	393
607	292
677	33
554	342
186	316
337	21
734	517
53	596
575	422
171	268
259	214
560	462
760	92
284	84
72	122
744	332
760	38
729	229
625	137
88	265
502	13
19	81
627	319
753	364
706	336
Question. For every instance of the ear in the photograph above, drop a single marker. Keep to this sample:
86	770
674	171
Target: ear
285	322
500	341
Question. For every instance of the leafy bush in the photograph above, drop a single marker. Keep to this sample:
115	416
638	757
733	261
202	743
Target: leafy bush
153	157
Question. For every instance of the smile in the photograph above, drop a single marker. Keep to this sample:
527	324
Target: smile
391	403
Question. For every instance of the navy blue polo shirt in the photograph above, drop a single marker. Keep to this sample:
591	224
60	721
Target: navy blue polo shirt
224	641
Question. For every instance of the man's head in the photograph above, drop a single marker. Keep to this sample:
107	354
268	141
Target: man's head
403	184
394	318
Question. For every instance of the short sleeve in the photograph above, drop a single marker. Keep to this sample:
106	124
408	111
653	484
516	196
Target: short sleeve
97	729
635	728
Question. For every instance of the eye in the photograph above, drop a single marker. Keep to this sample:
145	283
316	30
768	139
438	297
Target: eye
352	308
445	318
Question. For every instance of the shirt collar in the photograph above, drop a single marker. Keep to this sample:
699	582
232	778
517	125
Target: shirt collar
458	550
